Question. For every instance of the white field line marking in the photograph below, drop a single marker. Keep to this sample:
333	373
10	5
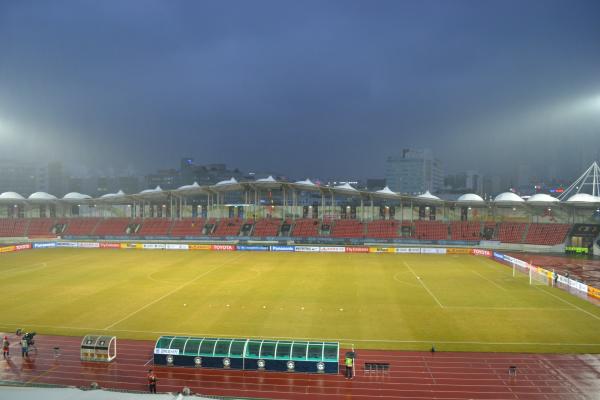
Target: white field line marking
148	362
422	284
346	340
489	280
405	283
569	303
178	288
36	266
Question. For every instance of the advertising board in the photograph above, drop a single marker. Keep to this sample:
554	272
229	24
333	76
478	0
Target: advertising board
307	249
283	248
176	246
44	245
88	245
357	249
253	248
105	245
199	247
222	247
332	249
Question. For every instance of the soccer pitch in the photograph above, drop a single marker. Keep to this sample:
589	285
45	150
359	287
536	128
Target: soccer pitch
385	301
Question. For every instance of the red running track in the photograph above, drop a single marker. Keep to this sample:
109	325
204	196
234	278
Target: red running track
413	375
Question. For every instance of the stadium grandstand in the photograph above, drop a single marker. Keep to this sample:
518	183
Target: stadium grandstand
302	211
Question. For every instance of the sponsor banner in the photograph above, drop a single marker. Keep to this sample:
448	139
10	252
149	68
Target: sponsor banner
7	249
104	245
66	244
171	246
414	250
153	246
253	248
199	247
402	250
173	352
582	287
283	248
44	245
307	249
223	247
499	255
357	249
25	246
458	250
433	250
382	250
593	292
564	280
131	246
332	249
481	252
88	245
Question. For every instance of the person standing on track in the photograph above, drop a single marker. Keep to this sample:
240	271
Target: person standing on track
152	381
24	347
349	367
5	348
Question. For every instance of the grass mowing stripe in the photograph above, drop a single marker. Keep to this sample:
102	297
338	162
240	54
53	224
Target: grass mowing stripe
422	284
178	288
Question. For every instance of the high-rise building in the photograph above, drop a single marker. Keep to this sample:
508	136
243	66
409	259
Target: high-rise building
414	171
56	179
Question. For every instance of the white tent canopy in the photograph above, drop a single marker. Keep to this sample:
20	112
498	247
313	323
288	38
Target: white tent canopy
11	196
306	182
42	196
231	181
470	198
542	198
76	196
508	197
270	179
345	186
428	196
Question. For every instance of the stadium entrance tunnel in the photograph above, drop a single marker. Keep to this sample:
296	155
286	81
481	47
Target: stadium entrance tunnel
248	354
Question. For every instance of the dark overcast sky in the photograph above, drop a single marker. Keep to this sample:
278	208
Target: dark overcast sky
308	88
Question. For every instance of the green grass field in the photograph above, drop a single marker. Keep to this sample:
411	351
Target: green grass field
460	303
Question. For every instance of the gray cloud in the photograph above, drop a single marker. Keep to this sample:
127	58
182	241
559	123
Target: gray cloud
308	88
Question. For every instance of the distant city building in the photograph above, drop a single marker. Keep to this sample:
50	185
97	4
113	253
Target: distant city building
464	182
414	171
165	178
375	183
22	177
56	179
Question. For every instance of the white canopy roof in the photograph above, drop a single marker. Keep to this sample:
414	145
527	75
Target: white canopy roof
508	197
345	186
306	182
188	187
109	195
76	196
41	196
542	198
155	190
386	190
583	198
427	195
470	197
11	196
231	181
269	179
